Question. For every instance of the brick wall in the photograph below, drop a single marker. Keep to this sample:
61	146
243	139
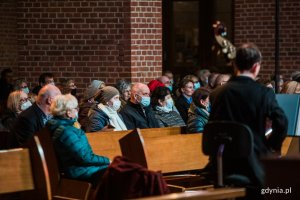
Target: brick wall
88	39
146	40
254	21
8	35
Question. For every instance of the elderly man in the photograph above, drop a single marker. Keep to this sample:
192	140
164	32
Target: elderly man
34	118
137	113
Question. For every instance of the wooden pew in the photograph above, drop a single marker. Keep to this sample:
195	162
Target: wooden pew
15	171
224	193
290	146
170	154
107	143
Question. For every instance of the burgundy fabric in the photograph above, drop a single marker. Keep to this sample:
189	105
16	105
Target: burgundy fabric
125	179
155	84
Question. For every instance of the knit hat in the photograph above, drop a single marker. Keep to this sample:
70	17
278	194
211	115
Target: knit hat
155	84
106	94
93	89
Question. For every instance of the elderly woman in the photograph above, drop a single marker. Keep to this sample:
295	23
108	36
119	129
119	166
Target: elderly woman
75	155
16	103
104	115
163	106
199	111
124	88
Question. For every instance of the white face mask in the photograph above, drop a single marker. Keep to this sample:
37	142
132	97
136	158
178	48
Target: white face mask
116	105
25	105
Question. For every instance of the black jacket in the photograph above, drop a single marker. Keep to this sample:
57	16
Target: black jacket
134	116
28	123
182	106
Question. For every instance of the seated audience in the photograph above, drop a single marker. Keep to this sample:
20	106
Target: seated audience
291	87
44	79
162	104
88	101
16	103
221	80
124	88
182	103
199	111
75	155
137	113
104	114
35	117
203	75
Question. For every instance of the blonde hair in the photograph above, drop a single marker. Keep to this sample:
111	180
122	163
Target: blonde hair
13	101
62	104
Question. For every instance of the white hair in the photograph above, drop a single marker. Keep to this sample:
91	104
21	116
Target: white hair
62	104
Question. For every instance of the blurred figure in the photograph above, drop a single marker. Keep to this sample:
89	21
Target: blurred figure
137	113
76	157
212	80
105	113
265	82
295	76
16	103
44	79
182	103
203	75
170	75
124	88
221	80
199	111
71	88
88	101
35	117
22	85
163	106
194	79
166	81
155	84
6	86
291	87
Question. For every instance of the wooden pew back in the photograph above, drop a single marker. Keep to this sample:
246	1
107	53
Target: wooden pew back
15	171
171	153
290	146
106	143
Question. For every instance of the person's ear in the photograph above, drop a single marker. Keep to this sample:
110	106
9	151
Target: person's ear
68	113
160	102
255	69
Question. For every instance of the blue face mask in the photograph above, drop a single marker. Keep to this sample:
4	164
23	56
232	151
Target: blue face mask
170	104
196	85
170	87
26	90
208	108
145	101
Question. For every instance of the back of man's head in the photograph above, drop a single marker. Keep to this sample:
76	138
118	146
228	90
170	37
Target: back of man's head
46	94
43	76
246	56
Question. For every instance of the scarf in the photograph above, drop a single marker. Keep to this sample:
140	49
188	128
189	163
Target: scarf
114	118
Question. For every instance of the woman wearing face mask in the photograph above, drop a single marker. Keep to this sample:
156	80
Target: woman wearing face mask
105	114
163	106
199	111
75	155
16	103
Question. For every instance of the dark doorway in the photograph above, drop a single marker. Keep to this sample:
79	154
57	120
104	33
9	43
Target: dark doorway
188	35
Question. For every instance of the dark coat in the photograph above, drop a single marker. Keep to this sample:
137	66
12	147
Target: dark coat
8	118
197	119
134	116
83	114
245	101
168	119
74	152
28	123
97	119
182	106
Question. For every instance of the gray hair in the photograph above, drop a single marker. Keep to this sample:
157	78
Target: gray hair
62	104
122	85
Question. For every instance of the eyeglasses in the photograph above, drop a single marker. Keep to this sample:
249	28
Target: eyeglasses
23	100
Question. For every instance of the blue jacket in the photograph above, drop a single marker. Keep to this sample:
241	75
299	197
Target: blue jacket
97	119
197	119
73	150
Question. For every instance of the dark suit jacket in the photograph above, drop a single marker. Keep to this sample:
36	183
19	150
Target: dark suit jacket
182	106
28	123
134	116
245	101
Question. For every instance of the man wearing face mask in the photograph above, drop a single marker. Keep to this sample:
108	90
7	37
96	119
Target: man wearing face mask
105	114
35	117
137	113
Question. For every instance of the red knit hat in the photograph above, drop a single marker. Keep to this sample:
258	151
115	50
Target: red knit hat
155	84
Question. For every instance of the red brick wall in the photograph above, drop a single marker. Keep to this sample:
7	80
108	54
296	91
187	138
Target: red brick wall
88	39
8	35
254	21
146	40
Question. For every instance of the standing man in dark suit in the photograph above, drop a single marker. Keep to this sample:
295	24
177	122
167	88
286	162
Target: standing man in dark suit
35	117
246	101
